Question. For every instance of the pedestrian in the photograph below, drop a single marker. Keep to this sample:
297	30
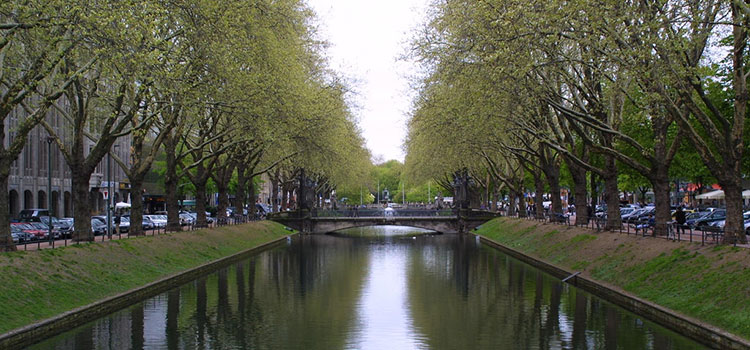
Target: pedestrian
679	217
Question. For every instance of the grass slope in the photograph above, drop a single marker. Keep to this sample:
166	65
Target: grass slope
709	283
36	285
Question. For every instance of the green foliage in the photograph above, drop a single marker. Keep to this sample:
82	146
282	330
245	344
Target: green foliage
355	195
387	176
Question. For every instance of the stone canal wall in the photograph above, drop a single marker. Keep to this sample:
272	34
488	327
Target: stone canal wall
678	285
85	282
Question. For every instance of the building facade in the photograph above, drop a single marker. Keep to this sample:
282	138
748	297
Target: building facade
27	184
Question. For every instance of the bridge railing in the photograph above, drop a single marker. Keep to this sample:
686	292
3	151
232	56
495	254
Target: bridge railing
379	213
475	213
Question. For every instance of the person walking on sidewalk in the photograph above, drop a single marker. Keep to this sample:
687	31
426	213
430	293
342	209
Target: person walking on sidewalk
679	217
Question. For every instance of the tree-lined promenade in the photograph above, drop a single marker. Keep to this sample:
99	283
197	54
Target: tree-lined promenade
223	92
537	95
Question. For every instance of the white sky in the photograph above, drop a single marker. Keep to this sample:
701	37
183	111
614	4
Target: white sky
367	38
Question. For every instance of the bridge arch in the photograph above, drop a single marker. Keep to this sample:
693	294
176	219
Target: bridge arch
311	224
358	225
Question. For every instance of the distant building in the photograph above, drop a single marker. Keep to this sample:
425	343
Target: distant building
27	184
265	189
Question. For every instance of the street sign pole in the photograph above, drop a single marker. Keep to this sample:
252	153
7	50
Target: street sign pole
109	201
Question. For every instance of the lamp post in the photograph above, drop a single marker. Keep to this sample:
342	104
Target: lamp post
49	190
429	193
109	195
110	190
403	193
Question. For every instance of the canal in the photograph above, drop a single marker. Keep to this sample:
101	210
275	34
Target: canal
373	288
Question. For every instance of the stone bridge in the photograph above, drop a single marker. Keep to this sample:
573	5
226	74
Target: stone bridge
325	221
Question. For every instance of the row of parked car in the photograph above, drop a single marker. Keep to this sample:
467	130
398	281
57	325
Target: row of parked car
708	217
33	224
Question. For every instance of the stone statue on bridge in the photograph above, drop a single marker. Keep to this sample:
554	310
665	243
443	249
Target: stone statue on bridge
465	194
334	203
461	181
306	193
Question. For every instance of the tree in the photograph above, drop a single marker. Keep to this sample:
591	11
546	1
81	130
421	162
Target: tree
36	36
104	102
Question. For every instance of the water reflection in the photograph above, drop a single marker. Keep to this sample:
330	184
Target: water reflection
464	296
384	321
373	288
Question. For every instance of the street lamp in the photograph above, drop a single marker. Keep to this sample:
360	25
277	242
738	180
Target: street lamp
429	192
403	193
49	190
109	195
110	190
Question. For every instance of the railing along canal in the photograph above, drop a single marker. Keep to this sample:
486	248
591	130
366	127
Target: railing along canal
378	213
64	239
383	213
675	231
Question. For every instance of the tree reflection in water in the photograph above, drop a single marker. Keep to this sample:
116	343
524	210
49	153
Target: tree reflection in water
464	295
373	287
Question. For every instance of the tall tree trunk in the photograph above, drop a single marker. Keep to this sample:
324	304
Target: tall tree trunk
81	215
594	192
612	193
553	180
521	204
539	196
661	201
512	204
550	165
579	191
734	229
659	176
223	200
170	185
6	239
222	175
240	195
251	195
200	203
136	205
274	194
285	197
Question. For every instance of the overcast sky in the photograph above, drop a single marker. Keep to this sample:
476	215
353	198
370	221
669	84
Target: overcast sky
367	38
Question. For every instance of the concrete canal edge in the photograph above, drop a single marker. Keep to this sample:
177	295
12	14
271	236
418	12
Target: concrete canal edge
33	333
701	332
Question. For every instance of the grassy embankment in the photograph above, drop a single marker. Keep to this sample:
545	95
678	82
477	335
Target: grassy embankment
36	285
709	283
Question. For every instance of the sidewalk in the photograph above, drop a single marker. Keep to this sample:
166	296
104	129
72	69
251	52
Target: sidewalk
115	236
690	235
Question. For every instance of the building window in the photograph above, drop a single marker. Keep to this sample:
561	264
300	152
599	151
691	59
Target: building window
28	159
42	172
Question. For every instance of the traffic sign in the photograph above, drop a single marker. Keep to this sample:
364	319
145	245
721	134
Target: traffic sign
106	194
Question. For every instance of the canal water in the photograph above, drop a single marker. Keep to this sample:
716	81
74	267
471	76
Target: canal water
373	288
